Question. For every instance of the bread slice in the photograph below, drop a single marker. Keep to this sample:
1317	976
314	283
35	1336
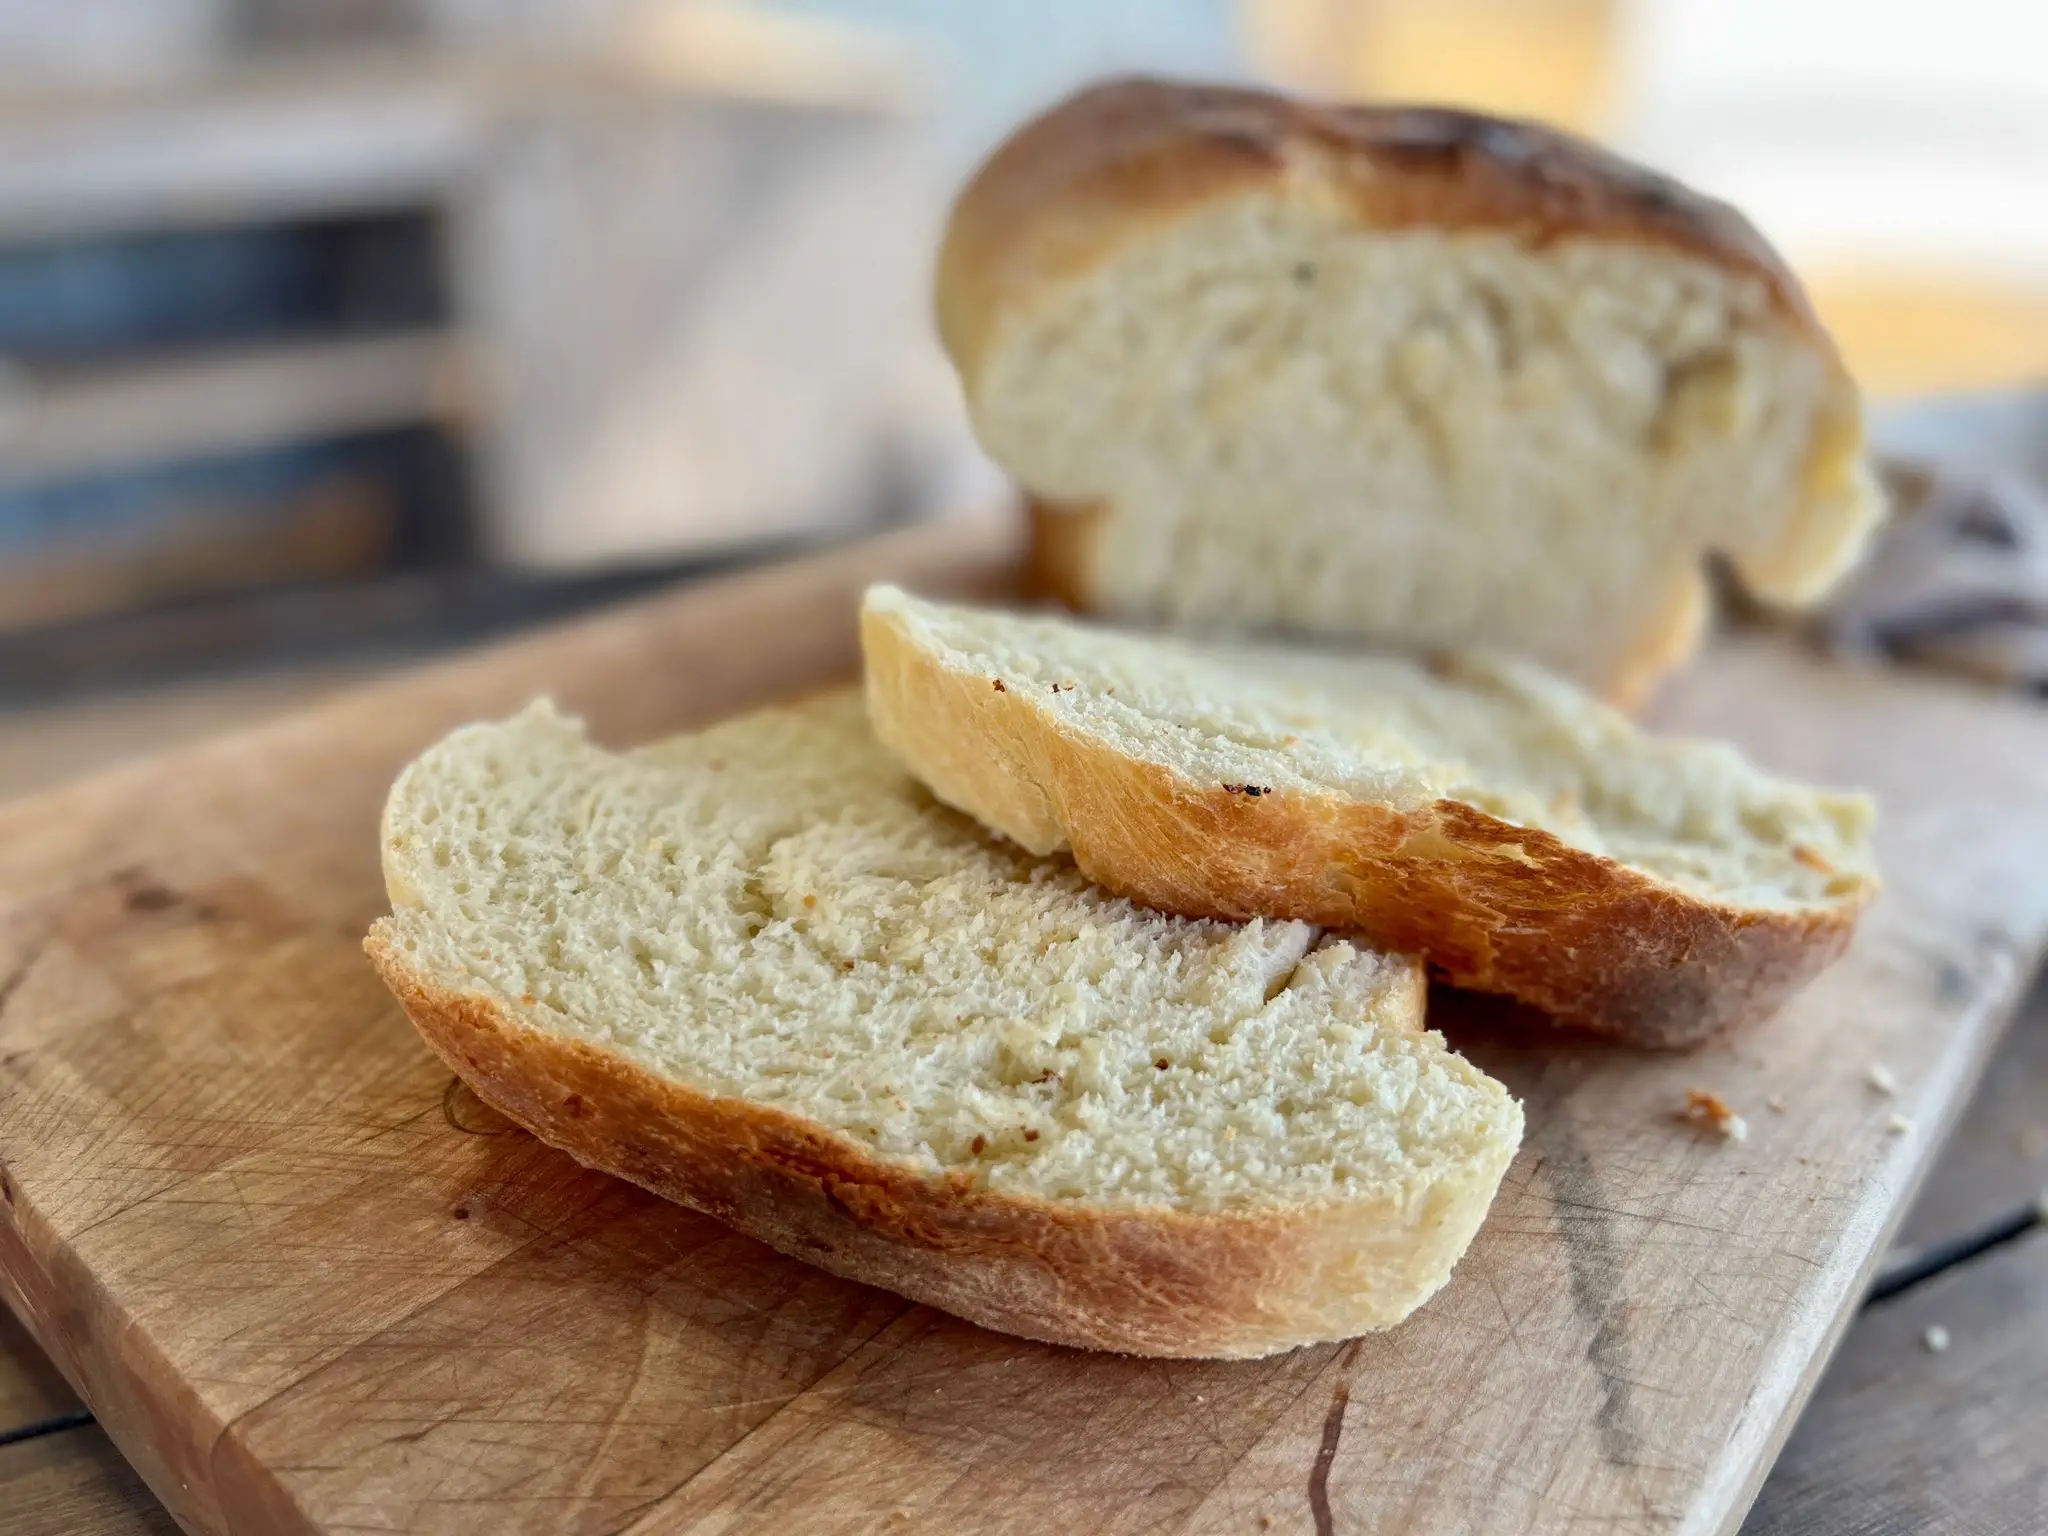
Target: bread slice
1525	838
1419	376
761	972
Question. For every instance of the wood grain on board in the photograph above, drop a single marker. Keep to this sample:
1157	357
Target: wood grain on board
42	745
307	1289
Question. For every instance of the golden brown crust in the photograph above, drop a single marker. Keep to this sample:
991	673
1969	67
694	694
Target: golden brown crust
1068	188
1138	1281
1491	905
1062	551
1663	645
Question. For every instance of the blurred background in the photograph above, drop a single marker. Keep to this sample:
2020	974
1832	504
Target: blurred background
334	332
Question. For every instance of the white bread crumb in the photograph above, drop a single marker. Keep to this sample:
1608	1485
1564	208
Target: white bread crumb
1880	1077
1898	1125
1775	1104
1935	1338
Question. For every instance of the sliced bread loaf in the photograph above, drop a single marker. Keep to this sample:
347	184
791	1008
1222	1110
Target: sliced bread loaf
760	971
1420	376
1525	838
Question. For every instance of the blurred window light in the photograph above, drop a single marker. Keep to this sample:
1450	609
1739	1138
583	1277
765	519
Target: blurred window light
1548	59
1864	47
1883	132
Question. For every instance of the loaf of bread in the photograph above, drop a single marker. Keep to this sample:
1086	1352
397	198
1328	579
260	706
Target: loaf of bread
760	971
1525	838
1418	376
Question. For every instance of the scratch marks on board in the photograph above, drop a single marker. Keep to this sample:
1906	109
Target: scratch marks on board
1596	1251
11	983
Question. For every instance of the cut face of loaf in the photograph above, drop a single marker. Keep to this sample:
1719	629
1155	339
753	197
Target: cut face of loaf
760	971
1421	377
1524	838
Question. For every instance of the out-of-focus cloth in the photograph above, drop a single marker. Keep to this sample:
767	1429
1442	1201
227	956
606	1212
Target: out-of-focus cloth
1958	578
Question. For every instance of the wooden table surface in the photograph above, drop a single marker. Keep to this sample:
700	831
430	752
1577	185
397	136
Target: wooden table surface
1900	1437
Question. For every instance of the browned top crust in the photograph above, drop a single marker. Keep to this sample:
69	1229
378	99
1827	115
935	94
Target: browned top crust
1066	188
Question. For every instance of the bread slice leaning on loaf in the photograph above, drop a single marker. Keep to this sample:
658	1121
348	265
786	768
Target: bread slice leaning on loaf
1525	838
1419	376
758	970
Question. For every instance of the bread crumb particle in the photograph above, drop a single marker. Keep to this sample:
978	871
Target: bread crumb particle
1710	1112
1775	1104
1879	1076
1935	1338
1898	1125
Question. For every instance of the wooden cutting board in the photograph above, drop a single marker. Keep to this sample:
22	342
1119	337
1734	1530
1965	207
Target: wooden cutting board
310	1286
